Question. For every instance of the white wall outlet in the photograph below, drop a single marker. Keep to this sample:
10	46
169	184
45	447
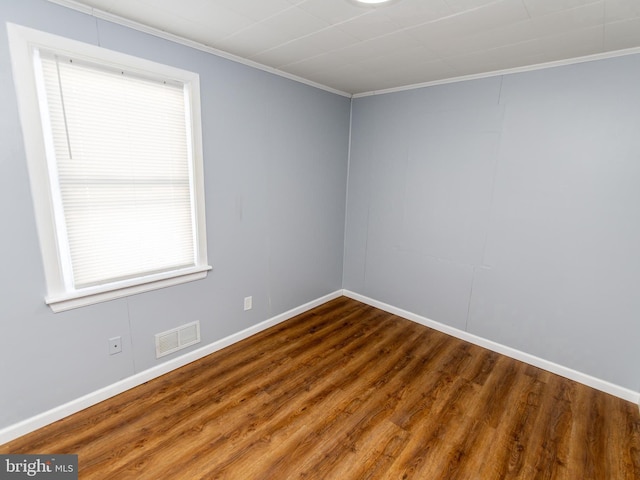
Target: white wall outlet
248	303
115	345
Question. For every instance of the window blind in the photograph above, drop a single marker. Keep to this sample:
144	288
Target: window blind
120	162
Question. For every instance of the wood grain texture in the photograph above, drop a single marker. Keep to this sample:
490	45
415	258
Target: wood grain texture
347	391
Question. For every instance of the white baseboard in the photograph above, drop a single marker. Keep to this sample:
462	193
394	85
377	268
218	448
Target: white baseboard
30	424
552	367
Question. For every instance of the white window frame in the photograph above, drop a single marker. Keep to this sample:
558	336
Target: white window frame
23	41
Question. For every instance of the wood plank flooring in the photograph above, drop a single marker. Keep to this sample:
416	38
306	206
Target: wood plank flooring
347	391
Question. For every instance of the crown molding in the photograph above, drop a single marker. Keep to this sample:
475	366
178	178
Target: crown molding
507	71
113	18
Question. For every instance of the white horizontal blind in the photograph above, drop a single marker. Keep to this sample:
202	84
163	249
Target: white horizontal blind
124	179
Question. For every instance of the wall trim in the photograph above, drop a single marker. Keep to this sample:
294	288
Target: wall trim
552	367
45	418
507	71
113	18
97	13
28	425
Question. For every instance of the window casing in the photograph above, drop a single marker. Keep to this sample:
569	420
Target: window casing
115	161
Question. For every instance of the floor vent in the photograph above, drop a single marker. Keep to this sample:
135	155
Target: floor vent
177	338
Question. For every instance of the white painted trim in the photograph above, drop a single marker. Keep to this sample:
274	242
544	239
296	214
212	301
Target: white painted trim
110	17
507	71
45	418
90	296
552	367
60	296
95	12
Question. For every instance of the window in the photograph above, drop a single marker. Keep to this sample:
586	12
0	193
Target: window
115	161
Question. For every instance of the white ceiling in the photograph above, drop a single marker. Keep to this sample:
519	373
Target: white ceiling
357	49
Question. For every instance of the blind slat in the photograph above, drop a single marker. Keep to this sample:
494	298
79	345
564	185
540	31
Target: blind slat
122	162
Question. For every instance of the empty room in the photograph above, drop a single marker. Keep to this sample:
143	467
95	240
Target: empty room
321	239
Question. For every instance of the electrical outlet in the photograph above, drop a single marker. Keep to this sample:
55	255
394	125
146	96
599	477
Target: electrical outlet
115	345
248	303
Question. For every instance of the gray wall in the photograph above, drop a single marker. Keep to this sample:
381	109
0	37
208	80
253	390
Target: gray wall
275	178
508	207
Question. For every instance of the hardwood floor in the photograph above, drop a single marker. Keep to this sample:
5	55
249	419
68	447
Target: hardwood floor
347	391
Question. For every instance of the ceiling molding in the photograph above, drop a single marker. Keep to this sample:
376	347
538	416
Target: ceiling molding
508	71
110	17
101	14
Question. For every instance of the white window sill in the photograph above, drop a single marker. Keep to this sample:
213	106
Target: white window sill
93	295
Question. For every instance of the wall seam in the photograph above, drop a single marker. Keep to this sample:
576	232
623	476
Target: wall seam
346	193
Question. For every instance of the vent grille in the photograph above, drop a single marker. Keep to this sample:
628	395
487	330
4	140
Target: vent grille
177	338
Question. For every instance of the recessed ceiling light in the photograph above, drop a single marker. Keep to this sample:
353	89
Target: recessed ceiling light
371	3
